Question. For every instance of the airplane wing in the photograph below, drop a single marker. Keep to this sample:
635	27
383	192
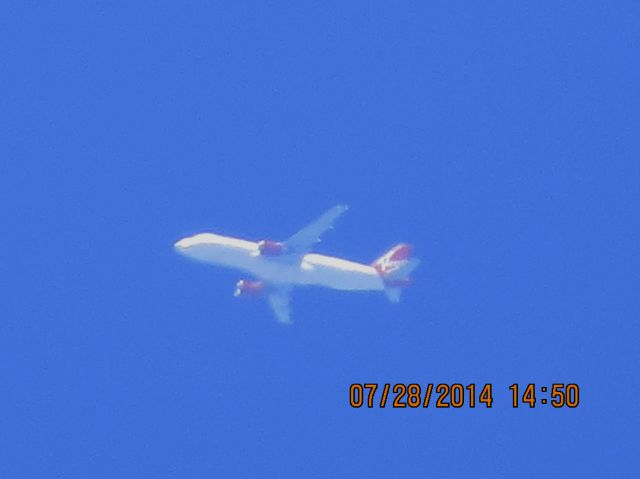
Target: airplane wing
303	240
279	300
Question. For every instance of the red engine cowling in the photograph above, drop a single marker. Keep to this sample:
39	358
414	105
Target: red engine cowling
244	287
270	248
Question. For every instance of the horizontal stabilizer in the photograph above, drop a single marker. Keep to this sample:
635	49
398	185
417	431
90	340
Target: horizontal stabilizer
393	294
403	271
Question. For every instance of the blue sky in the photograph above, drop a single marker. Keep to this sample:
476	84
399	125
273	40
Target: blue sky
501	140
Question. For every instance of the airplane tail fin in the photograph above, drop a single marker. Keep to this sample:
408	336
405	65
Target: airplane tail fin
395	266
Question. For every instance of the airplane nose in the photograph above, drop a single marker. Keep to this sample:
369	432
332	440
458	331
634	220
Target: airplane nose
185	244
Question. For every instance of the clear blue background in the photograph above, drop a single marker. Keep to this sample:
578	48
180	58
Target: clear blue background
502	140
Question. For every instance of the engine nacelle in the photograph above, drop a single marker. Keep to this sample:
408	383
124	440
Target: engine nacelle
244	287
271	248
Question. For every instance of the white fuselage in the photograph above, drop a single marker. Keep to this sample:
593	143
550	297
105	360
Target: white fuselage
308	269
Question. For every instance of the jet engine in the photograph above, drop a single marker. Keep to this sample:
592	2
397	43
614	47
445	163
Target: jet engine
244	287
271	248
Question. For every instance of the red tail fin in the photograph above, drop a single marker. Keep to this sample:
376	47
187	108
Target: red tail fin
393	262
394	267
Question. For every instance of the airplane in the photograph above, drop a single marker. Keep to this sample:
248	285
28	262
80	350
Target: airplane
278	266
